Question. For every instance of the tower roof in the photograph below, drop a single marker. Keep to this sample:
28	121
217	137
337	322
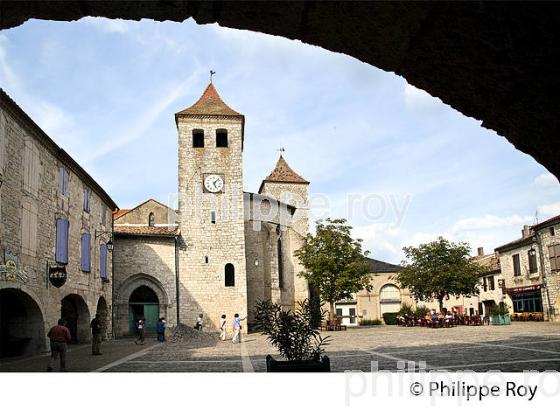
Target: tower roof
282	172
210	103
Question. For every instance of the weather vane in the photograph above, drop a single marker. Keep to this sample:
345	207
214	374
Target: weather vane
211	74
281	150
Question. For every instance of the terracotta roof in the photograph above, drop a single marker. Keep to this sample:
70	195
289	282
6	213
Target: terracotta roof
490	263
283	173
210	103
120	212
127	230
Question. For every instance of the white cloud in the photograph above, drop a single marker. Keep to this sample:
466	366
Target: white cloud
490	222
109	25
549	210
546	180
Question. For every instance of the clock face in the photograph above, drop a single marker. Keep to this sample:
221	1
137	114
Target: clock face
213	183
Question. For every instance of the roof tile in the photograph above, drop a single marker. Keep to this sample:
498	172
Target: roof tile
210	103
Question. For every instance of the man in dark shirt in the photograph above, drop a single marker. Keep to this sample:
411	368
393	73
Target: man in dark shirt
95	335
59	336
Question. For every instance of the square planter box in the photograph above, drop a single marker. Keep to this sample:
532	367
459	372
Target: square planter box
305	366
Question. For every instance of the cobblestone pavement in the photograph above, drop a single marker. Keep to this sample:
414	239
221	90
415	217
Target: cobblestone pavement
521	346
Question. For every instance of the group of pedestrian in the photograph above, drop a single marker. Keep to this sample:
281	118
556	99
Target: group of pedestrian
59	337
236	325
141	327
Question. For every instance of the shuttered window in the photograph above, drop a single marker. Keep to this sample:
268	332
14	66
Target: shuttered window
29	228
63	180
87	199
31	168
516	265
554	257
85	260
229	275
61	251
103	261
532	257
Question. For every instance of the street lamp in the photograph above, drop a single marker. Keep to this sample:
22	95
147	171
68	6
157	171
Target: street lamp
109	243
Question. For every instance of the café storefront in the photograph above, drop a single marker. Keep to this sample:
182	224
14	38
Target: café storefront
526	299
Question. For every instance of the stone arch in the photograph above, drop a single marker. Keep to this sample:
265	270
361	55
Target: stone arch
429	44
122	299
22	326
390	298
75	311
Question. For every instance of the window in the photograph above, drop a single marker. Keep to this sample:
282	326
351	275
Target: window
484	284
198	139
103	215
29	227
213	217
532	257
206	259
551	229
103	261
221	138
87	200
554	256
31	168
61	246
516	265
63	180
151	219
230	275
85	259
280	265
491	284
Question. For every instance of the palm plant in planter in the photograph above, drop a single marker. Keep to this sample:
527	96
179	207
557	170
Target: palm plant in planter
295	337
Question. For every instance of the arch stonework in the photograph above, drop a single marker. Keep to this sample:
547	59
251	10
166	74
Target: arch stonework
124	292
84	310
485	59
33	328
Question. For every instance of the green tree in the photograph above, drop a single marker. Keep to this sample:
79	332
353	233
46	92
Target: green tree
439	268
333	261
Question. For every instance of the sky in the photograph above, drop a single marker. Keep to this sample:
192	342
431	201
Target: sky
401	166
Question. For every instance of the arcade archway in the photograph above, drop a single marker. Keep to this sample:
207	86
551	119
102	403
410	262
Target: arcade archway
74	310
22	328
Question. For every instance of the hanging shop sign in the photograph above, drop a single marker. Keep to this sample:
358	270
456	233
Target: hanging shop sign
57	276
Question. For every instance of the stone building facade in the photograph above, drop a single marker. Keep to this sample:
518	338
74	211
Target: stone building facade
55	231
223	249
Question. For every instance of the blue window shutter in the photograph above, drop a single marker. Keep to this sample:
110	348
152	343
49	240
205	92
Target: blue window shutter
61	252
103	261
86	252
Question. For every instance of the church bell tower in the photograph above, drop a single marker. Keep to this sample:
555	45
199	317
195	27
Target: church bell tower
212	276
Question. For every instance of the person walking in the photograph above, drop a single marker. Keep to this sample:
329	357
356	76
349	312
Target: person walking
223	327
237	328
96	335
164	327
59	337
141	332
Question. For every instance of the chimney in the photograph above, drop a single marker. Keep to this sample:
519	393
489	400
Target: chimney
526	232
480	251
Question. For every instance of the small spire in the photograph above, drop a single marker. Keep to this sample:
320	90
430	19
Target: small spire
211	74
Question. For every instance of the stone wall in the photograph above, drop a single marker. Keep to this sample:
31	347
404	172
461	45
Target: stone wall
552	277
163	215
33	250
208	247
148	261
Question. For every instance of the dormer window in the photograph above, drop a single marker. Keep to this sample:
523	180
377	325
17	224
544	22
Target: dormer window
198	139
151	219
221	138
